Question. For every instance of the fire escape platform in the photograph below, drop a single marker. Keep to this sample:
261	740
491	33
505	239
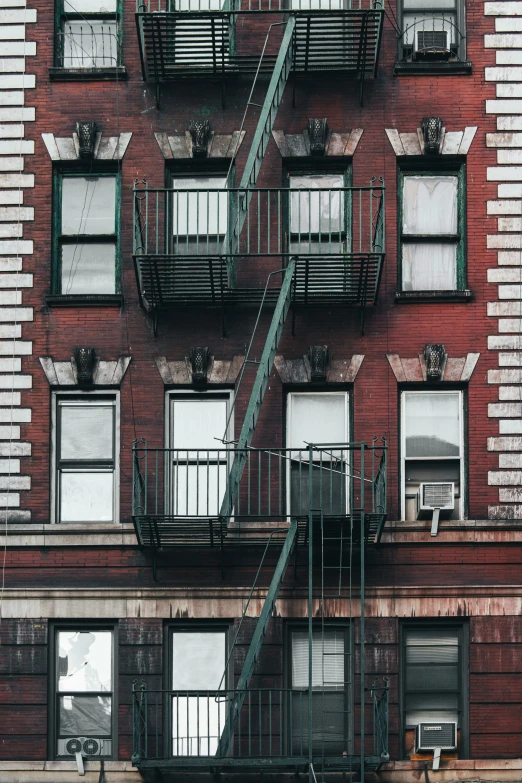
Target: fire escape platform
193	44
293	764
168	281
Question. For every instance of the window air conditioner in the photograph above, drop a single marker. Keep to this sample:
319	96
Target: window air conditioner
432	45
435	497
87	746
430	736
436	737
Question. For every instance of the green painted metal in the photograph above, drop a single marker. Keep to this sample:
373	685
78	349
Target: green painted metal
252	656
258	392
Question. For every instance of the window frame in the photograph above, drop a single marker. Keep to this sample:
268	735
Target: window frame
449	624
78	395
348	628
194	626
190	169
62	17
348	407
94	170
220	392
53	693
310	167
450	66
457	169
430	389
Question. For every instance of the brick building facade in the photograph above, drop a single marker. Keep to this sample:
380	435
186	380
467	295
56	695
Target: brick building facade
195	581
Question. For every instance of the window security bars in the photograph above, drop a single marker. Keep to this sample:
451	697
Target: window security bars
241	6
88	44
314	221
184	727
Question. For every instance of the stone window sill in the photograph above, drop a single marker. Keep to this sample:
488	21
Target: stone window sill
71	534
432	69
404	297
87	74
84	300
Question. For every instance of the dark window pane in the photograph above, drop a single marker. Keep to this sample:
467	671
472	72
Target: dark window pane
329	724
85	716
432	677
329	488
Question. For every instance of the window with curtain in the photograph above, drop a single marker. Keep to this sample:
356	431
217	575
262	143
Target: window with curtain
199	218
431	230
331	692
318	219
432	675
321	418
432	31
86	459
198	704
199	458
432	444
88	34
86	243
84	684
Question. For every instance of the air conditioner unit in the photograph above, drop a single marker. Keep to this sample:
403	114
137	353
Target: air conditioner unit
433	736
432	45
433	498
87	746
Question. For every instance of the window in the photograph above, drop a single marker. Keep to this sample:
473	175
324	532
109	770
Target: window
318	221
86	235
432	32
88	34
434	687
215	34
197	672
83	676
86	458
432	231
432	448
199	219
332	696
322	418
199	459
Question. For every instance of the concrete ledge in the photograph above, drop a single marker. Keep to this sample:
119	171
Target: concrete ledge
116	534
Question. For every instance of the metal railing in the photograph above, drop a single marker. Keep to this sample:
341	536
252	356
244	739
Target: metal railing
181	483
279	221
272	723
240	6
85	44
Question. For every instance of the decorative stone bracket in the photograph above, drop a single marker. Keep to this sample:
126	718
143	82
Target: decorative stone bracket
105	147
299	370
452	142
297	145
180	372
109	373
219	145
414	370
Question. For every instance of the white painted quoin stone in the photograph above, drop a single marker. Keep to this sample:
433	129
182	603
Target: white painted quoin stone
506	335
16	91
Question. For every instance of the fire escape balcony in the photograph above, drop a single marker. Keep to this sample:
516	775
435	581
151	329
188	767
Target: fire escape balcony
181	730
206	38
196	247
179	495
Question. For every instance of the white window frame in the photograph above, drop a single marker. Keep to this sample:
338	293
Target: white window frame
55	494
201	203
461	457
288	424
168	440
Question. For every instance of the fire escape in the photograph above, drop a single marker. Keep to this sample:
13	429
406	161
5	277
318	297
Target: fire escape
319	507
